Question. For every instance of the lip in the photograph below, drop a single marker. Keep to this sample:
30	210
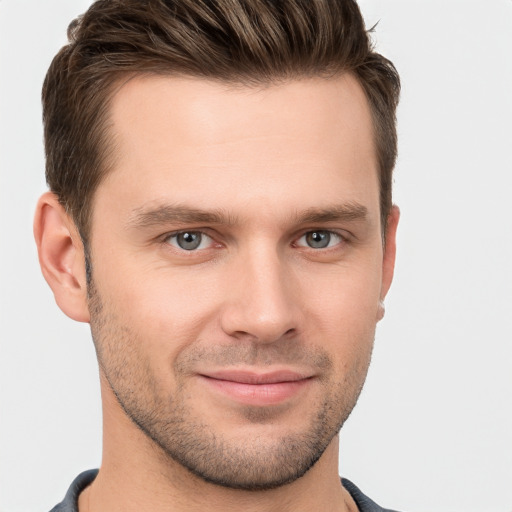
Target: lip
255	388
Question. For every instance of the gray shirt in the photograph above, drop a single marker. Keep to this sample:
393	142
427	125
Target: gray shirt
70	503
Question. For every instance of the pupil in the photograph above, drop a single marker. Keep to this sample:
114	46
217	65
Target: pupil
189	241
318	239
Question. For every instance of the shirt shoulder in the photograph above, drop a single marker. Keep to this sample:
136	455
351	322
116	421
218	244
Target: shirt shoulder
364	503
70	502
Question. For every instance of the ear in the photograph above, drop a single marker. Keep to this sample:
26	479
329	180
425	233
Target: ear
388	260
61	256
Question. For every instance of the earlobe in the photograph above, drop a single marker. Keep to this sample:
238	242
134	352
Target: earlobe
61	256
388	260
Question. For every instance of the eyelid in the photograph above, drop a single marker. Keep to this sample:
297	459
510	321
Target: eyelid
174	234
342	236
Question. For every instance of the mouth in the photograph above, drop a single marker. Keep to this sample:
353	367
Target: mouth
257	389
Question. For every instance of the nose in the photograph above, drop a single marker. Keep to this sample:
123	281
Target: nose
262	299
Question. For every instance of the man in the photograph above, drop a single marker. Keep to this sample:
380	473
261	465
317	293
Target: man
220	213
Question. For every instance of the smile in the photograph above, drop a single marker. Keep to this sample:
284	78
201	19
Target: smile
257	389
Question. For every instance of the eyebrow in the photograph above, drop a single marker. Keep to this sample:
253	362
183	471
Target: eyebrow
346	212
147	217
168	214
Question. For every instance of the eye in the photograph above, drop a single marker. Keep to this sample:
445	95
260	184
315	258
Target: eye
189	240
319	239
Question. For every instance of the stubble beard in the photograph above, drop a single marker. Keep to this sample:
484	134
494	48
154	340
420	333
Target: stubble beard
261	463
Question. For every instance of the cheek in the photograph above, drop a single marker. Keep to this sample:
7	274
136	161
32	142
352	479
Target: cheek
165	309
346	296
142	328
343	318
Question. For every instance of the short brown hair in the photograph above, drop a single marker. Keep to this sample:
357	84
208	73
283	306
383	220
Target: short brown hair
249	42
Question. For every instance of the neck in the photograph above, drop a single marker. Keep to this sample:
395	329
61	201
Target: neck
136	475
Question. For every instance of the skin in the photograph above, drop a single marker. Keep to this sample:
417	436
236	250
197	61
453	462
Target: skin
256	171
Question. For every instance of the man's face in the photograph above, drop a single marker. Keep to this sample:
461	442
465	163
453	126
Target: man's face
237	267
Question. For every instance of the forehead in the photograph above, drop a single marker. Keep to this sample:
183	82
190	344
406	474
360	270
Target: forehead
182	139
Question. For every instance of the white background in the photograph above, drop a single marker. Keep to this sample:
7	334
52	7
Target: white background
433	429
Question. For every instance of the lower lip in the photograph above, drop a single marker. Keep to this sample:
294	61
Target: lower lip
258	394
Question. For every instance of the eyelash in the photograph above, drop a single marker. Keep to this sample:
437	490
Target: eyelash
175	236
341	239
330	234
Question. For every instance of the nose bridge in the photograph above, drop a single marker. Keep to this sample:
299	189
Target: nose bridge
261	302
